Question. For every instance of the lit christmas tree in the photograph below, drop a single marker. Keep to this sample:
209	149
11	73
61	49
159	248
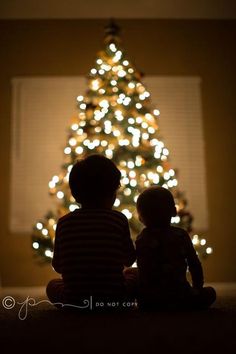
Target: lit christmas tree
116	119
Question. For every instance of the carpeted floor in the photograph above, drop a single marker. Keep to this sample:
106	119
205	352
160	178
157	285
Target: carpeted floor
45	329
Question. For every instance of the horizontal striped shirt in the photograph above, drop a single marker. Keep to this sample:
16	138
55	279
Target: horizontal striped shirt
91	248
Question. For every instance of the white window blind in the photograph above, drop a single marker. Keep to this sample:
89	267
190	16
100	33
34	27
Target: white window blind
41	112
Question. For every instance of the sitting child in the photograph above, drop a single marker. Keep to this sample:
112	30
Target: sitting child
93	243
164	253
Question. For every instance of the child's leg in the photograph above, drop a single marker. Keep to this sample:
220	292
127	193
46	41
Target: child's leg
55	292
205	298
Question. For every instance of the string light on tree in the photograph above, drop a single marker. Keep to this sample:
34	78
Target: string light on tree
115	118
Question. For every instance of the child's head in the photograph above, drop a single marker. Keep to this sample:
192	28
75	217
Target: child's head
94	181
156	206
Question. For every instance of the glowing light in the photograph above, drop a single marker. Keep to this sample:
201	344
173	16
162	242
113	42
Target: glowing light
48	253
159	169
101	72
203	242
125	63
195	240
109	153
60	195
121	73
93	71
130	71
125	180
79	150
171	172
174	182
127	191
116	133
156	178
80	98
139	120
67	150
104	143
39	225
175	219
98	129
166	176
104	104
95	84
82	105
132	174
145	136
73	207
165	152
156	112
130	164
45	232
99	61
127	213
117	202
74	126
131	120
138	105
126	101
144	125
113	82
209	250
72	141
51	184
131	85
112	47
133	183
151	130
35	245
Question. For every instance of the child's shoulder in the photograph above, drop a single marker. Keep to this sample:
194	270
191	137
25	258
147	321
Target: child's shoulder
86	213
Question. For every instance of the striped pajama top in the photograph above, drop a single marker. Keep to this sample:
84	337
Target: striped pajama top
91	248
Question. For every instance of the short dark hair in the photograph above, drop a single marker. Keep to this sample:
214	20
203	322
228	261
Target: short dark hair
156	206
93	179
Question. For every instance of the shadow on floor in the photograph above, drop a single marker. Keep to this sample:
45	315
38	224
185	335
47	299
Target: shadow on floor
47	330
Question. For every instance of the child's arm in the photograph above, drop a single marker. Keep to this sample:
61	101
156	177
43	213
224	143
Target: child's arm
194	265
56	253
129	250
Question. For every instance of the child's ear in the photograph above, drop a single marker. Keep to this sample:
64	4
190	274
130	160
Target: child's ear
174	212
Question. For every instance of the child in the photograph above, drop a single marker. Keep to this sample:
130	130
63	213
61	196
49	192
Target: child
93	243
163	254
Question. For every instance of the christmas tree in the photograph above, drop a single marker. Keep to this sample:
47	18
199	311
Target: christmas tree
115	118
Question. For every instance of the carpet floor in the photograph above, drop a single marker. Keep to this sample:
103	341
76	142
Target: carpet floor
45	329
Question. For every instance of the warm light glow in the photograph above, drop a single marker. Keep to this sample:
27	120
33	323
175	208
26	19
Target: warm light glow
156	112
79	150
48	253
35	245
39	225
127	213
45	232
209	250
60	195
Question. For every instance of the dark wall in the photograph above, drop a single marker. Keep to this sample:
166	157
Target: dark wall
163	47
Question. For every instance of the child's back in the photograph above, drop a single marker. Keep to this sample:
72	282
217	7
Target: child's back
93	243
92	246
164	253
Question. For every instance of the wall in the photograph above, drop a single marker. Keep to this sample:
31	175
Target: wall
162	47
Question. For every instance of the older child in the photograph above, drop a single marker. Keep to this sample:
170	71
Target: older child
164	253
93	243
